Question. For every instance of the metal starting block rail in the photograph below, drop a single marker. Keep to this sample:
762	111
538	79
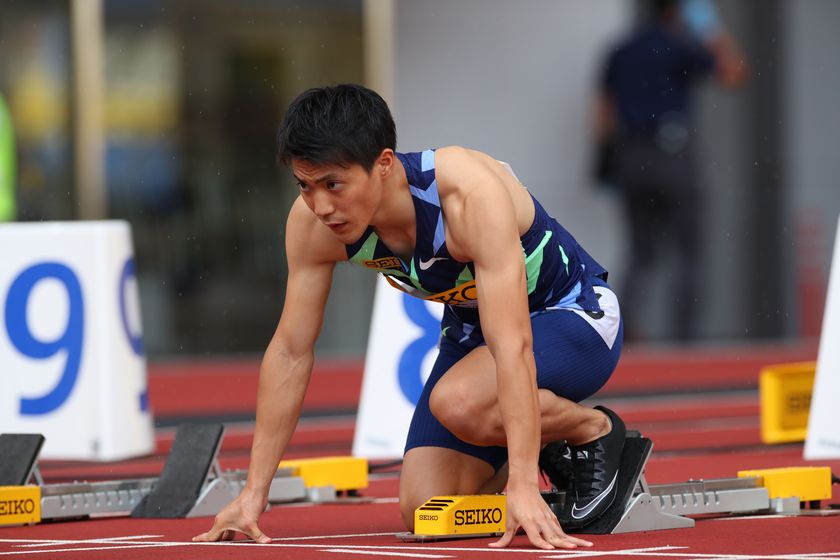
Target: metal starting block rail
638	506
191	484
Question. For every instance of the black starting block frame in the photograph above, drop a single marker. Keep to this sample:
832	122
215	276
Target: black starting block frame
19	459
639	506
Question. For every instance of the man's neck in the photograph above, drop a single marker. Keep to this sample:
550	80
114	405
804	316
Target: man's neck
395	221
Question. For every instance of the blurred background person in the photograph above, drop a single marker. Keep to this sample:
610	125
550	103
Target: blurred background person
7	163
645	135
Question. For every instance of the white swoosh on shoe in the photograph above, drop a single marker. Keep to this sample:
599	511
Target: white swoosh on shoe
424	265
583	512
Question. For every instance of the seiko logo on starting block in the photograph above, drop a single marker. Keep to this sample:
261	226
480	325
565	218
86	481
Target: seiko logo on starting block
461	515
20	505
478	516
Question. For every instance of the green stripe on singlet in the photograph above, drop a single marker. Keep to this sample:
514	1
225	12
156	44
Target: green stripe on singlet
365	252
465	276
414	279
565	259
533	262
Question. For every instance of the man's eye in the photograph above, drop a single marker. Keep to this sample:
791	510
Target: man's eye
332	185
303	187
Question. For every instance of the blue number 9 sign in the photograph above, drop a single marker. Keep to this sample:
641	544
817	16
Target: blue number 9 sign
86	380
70	341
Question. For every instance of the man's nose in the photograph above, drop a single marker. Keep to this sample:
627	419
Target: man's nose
322	205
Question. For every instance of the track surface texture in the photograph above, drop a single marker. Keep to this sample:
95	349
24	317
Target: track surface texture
699	406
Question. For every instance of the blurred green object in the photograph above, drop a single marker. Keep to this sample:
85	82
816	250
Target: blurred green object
7	164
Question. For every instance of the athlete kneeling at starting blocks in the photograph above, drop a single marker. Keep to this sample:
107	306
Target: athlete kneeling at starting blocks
530	326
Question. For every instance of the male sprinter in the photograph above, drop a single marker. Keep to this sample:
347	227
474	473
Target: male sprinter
530	326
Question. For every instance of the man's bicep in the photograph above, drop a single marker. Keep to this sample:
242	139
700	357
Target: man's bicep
500	278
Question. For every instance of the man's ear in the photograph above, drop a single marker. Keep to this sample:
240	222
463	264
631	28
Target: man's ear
385	162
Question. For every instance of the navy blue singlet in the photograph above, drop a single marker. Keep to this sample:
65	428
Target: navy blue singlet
558	270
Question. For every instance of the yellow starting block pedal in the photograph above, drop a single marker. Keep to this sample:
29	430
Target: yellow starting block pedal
342	473
20	505
785	391
805	483
445	517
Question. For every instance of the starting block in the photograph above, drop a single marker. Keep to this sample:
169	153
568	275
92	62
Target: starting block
785	396
20	465
801	484
324	477
639	506
191	484
452	517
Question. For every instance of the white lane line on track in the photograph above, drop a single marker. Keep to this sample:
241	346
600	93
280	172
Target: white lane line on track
655	552
353	535
90	548
89	541
382	553
588	553
706	556
361	549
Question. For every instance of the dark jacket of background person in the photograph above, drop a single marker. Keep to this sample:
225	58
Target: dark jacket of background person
645	132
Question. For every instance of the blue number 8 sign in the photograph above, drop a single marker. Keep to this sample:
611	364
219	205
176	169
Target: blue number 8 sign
71	340
411	361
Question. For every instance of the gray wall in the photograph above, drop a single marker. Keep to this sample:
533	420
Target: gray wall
516	80
812	144
513	79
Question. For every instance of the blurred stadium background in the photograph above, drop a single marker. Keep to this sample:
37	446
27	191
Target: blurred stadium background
164	113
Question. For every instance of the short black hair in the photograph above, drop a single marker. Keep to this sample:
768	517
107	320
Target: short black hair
346	124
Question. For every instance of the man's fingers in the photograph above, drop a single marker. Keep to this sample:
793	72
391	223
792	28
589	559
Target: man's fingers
505	540
579	542
535	535
228	534
210	536
555	535
257	535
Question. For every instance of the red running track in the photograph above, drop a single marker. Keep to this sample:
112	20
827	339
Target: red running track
696	435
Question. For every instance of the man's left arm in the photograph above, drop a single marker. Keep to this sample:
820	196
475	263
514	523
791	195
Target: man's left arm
482	223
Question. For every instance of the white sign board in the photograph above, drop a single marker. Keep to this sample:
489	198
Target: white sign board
72	365
823	441
401	350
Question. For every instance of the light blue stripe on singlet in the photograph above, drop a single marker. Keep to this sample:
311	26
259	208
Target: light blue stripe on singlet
468	329
427	160
429	195
440	235
569	300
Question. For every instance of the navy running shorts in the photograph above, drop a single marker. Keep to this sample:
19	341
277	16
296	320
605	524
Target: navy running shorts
575	352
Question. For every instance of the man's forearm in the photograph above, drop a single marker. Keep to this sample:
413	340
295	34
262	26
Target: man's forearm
519	405
283	382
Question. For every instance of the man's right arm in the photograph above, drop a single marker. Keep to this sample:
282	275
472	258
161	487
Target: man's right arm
287	363
311	252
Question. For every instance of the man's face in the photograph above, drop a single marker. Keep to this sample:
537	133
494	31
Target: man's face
343	198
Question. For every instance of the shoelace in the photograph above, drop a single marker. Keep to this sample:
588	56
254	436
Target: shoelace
584	467
556	466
